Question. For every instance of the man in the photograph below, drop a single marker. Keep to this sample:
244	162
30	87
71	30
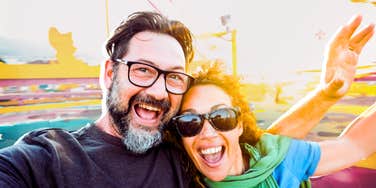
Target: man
143	82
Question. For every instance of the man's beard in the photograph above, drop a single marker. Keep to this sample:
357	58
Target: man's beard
137	138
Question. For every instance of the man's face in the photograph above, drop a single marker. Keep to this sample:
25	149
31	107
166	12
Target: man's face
139	113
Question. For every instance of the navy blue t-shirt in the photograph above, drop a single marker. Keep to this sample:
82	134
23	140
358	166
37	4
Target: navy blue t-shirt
86	158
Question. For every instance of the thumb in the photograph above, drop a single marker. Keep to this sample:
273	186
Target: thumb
333	86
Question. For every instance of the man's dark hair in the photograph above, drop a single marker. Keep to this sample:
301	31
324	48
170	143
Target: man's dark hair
117	45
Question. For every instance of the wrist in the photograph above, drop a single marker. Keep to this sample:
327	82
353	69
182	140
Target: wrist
325	96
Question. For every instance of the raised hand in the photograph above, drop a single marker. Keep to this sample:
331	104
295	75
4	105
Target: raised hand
341	58
338	72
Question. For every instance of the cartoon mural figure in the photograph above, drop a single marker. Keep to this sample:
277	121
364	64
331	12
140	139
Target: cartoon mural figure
53	69
63	44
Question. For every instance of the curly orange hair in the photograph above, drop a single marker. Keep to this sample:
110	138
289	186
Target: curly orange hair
214	74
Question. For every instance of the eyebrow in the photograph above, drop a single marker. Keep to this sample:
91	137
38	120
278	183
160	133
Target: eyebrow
156	65
215	107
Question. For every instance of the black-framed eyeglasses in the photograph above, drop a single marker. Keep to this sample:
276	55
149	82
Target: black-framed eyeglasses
145	75
223	119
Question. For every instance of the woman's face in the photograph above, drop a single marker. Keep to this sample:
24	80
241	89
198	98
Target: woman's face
216	154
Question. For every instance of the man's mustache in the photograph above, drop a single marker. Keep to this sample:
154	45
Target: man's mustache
163	104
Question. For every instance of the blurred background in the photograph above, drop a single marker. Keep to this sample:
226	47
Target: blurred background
51	51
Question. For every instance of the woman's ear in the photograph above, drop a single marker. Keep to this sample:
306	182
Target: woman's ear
108	73
240	128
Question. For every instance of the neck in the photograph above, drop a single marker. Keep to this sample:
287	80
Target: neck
240	166
105	124
245	161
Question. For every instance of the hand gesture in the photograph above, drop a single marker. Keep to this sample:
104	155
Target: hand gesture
341	58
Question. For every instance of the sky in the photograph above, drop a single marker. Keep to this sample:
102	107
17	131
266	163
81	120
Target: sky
273	37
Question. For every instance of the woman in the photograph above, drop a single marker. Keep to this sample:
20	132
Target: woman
219	134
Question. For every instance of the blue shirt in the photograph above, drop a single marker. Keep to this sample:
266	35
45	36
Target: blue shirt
299	164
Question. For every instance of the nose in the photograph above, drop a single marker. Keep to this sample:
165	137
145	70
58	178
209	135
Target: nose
208	130
158	89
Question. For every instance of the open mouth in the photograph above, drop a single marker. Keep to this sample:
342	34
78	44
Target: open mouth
148	113
212	155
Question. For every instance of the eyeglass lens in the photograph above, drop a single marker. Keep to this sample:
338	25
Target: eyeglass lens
145	75
188	125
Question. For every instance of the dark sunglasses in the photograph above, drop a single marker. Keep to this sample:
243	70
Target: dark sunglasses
223	119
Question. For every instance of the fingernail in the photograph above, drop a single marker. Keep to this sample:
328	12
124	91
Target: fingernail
355	17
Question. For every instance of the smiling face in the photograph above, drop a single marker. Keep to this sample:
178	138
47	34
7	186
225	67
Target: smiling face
215	154
139	113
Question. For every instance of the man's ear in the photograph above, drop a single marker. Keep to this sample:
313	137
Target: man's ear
108	73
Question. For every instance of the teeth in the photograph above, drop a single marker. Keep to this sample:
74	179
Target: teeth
148	107
211	150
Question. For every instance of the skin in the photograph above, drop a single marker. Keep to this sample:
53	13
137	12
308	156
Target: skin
204	99
339	67
297	122
145	47
353	145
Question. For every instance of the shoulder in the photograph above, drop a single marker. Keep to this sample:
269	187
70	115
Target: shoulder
43	136
307	147
300	162
34	143
42	142
37	157
303	157
48	135
31	154
40	146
